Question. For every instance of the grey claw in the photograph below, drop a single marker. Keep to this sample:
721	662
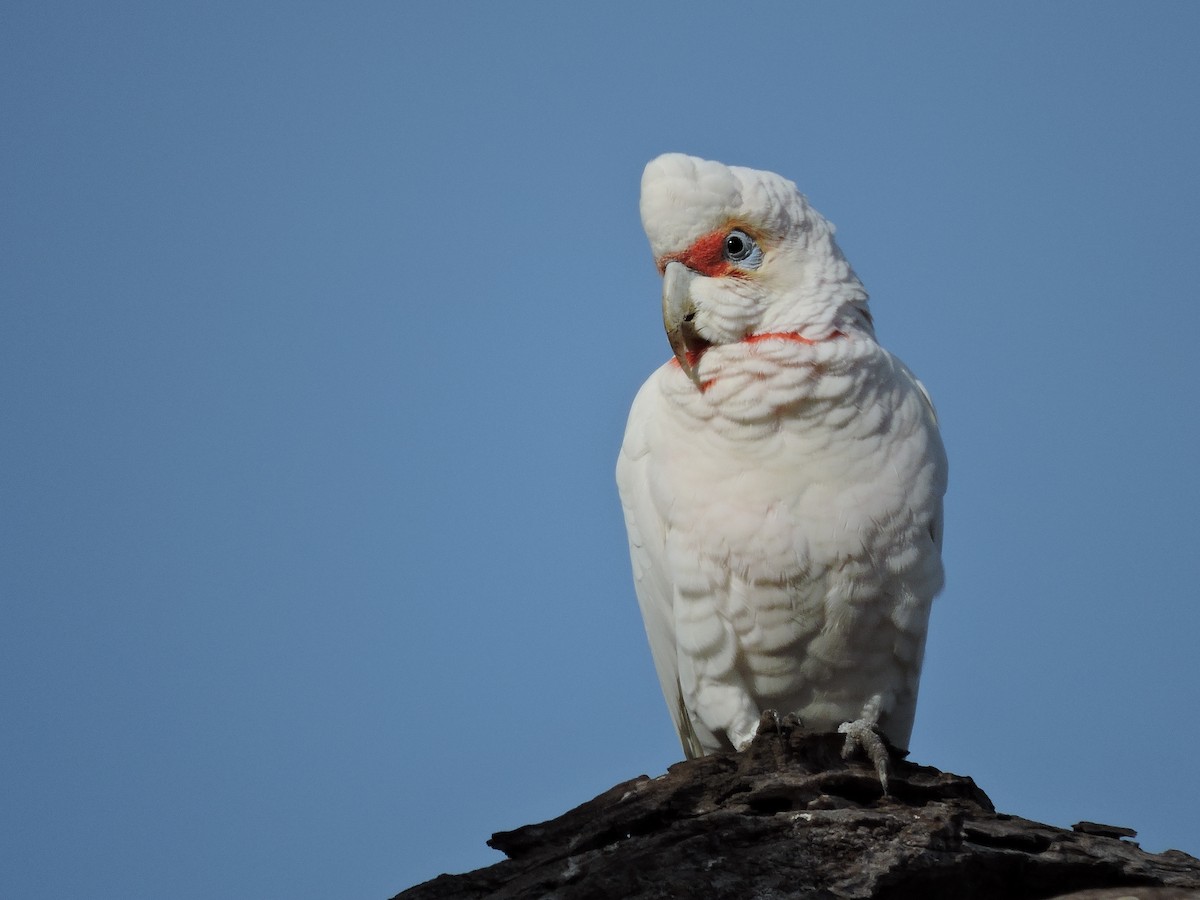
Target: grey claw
863	735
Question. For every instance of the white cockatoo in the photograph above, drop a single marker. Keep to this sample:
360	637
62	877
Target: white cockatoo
781	477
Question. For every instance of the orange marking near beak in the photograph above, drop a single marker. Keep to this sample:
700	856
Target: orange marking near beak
693	356
787	336
706	256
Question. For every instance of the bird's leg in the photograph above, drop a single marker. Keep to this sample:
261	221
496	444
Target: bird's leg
863	734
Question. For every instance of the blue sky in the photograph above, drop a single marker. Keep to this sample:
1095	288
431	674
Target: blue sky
320	324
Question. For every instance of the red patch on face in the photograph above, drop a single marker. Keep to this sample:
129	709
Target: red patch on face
693	356
785	336
706	256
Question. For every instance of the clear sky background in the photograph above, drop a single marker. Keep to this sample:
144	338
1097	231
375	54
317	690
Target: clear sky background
320	324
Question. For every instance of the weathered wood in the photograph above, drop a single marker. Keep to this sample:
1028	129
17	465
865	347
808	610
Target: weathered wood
789	818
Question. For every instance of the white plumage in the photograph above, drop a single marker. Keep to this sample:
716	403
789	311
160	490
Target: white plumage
782	477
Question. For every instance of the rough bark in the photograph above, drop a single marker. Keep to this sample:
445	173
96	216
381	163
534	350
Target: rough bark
789	818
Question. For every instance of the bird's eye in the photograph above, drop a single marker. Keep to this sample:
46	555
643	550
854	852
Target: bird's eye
742	250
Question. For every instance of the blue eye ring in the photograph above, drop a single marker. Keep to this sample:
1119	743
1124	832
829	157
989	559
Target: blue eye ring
741	250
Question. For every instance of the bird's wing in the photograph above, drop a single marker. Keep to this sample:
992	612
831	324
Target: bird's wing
937	525
647	542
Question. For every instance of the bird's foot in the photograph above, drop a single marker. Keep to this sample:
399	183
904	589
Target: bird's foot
863	734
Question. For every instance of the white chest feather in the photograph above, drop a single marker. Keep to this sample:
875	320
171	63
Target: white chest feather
785	532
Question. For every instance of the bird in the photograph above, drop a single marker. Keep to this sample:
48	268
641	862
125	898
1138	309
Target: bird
781	476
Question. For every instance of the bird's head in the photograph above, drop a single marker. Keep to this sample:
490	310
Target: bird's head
742	255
